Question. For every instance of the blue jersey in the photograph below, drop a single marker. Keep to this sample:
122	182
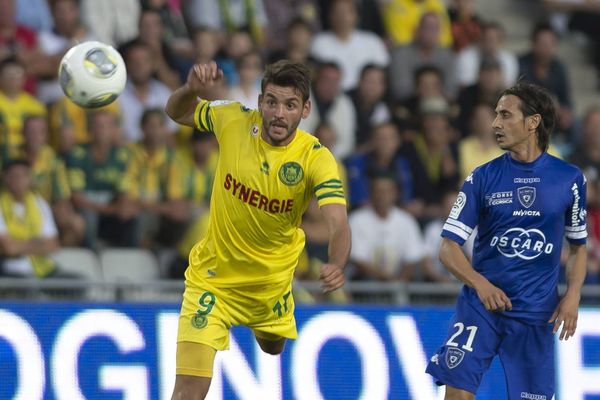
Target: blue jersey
522	212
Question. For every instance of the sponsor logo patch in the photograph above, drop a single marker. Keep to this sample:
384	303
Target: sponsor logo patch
199	321
499	198
526	195
459	203
454	357
526	244
291	173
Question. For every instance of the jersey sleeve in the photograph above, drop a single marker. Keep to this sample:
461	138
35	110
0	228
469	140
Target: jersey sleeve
465	211
575	216
210	116
325	178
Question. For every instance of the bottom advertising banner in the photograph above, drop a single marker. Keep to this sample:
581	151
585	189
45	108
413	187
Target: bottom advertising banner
127	351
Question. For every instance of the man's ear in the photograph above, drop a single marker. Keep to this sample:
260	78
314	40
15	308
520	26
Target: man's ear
534	121
306	109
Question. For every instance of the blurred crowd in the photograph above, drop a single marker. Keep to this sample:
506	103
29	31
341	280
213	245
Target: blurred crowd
403	94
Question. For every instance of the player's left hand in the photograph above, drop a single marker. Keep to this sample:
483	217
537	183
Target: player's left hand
332	277
566	313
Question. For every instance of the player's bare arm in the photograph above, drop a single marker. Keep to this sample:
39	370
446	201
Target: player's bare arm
182	103
453	258
567	310
332	273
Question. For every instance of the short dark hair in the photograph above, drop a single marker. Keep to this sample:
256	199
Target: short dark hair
14	162
9	61
541	27
150	112
536	100
428	69
288	73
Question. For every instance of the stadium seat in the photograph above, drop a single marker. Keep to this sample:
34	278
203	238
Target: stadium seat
129	265
78	261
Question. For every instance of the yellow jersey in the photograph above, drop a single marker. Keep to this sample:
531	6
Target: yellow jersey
15	110
147	175
259	194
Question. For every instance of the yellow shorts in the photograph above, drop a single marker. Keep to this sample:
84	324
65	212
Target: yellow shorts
207	313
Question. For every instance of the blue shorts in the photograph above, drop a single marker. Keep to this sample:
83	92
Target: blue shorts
476	336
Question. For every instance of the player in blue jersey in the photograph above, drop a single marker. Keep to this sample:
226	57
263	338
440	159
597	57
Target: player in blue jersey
523	204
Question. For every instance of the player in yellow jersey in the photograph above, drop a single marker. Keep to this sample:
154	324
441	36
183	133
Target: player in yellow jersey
268	170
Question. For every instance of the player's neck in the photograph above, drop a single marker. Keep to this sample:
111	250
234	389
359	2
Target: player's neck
526	154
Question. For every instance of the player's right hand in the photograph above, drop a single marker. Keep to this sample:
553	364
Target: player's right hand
492	297
203	75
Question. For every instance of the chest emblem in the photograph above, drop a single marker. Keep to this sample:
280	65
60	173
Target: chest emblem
526	195
254	130
291	173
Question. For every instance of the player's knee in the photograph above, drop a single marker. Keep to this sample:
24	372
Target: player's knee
190	388
457	394
273	348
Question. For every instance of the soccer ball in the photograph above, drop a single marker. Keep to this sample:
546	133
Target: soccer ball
92	74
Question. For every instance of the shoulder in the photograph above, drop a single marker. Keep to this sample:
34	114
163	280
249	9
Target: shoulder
560	165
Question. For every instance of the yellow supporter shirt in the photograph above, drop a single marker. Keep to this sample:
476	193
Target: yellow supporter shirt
401	19
259	195
15	110
147	176
49	174
189	182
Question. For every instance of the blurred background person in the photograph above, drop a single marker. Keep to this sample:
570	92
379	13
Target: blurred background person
424	50
465	24
348	46
249	69
369	102
28	234
112	21
332	106
491	45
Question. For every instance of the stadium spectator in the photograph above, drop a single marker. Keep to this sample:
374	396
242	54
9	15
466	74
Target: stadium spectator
429	83
49	178
34	14
15	102
206	44
380	156
167	65
298	39
147	176
542	66
347	46
236	44
112	21
68	124
491	44
486	90
95	173
249	70
282	14
479	145
28	234
587	155
402	18
432	158
387	243
332	106
19	42
175	33
369	102
327	138
54	43
464	23
423	50
141	91
228	16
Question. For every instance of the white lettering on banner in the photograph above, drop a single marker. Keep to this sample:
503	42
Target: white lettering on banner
413	360
28	351
166	343
265	384
575	380
339	325
122	330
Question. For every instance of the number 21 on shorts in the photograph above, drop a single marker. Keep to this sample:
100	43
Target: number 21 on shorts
468	346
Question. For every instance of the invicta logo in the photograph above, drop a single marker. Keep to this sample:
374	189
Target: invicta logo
291	173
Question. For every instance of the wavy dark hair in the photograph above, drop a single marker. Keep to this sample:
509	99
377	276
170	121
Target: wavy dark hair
536	100
288	73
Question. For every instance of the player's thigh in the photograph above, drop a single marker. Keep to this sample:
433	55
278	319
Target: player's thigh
270	343
194	369
468	350
204	317
453	393
527	355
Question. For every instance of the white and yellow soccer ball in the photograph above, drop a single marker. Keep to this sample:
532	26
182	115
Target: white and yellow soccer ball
92	74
